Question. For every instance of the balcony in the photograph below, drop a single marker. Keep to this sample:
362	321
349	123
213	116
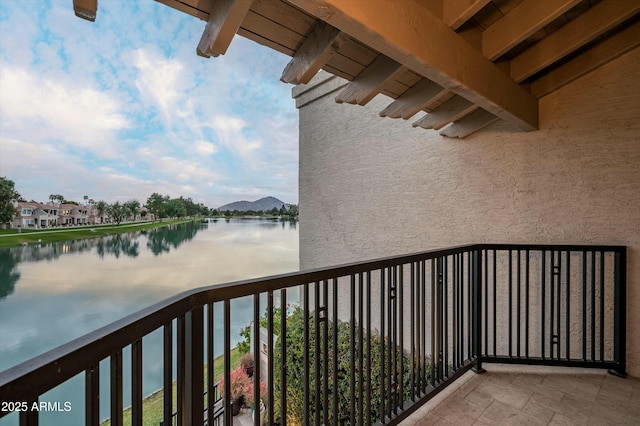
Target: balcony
534	395
374	342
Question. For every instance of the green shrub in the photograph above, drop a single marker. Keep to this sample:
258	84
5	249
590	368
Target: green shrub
366	373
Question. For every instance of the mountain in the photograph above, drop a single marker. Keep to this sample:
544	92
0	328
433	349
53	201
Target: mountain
264	204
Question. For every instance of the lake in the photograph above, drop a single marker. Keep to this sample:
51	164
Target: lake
53	293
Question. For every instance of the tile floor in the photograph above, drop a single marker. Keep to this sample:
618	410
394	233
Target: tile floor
534	395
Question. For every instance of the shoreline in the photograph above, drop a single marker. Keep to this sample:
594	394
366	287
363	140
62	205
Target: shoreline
38	236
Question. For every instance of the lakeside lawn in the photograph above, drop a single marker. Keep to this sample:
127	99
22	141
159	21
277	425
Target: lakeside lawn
10	237
153	405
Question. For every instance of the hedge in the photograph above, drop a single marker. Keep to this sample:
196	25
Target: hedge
366	373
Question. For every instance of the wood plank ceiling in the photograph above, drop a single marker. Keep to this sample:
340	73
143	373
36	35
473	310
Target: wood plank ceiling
451	65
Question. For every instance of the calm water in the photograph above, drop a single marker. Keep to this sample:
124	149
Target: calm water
54	293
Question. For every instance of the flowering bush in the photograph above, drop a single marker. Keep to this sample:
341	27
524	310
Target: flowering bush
239	383
249	395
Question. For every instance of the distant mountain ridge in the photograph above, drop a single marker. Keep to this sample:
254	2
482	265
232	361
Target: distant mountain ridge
264	204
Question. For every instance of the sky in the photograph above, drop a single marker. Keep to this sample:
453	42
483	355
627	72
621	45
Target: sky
123	107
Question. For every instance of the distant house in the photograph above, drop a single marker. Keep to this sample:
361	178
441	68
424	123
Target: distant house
72	214
35	215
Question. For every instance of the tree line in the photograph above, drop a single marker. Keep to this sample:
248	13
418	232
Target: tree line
158	205
290	211
161	206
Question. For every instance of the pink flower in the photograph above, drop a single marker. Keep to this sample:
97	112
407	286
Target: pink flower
249	397
239	383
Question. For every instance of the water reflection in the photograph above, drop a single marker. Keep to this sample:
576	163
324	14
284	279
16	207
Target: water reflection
117	245
9	274
52	293
162	240
159	240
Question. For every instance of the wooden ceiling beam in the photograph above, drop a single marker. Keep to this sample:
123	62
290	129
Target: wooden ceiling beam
407	32
322	42
457	12
224	22
477	120
86	9
521	22
413	100
586	27
370	81
452	110
609	49
193	10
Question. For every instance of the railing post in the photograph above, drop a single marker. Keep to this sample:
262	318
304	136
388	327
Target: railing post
477	310
620	313
92	396
193	412
29	417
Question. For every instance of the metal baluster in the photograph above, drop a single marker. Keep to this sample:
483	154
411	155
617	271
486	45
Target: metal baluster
116	388
194	367
211	397
283	358
228	419
92	396
136	383
317	353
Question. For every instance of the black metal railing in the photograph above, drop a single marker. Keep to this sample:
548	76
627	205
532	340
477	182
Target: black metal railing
364	343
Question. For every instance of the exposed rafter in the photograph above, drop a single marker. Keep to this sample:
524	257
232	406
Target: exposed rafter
224	21
477	120
575	34
370	81
618	44
452	110
457	12
522	21
321	44
86	9
413	100
410	34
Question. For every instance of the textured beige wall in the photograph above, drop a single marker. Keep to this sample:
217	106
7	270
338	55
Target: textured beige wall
373	187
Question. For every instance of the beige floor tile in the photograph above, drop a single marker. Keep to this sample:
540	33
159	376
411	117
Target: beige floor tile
539	387
481	399
603	415
458	411
586	387
525	395
562	420
429	420
538	411
614	395
505	414
511	395
624	409
529	378
569	406
483	421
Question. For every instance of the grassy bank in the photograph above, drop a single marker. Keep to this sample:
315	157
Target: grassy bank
9	237
153	405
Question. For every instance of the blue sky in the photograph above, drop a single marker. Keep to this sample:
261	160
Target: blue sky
123	107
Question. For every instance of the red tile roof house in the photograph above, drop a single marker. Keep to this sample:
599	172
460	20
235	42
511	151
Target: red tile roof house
72	214
35	215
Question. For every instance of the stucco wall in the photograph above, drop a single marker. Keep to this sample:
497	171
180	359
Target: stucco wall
373	187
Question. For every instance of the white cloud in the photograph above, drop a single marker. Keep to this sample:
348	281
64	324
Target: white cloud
204	148
230	133
57	110
159	81
185	170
